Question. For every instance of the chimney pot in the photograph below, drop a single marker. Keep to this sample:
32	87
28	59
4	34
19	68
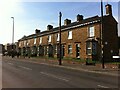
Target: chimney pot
49	27
79	18
108	9
37	31
66	22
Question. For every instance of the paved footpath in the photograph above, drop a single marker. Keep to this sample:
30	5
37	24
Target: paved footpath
108	70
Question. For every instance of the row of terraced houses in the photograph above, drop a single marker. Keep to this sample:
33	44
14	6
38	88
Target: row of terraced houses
79	39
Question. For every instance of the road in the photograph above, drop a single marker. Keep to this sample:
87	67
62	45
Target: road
23	74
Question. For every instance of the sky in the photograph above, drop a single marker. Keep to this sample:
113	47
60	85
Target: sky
29	16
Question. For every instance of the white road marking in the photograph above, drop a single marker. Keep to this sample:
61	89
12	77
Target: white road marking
25	67
51	75
102	86
10	63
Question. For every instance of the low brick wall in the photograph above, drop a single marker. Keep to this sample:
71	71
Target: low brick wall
112	66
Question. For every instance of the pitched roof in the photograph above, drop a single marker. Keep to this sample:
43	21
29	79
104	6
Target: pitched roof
84	22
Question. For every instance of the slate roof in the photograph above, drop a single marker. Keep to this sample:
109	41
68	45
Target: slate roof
84	22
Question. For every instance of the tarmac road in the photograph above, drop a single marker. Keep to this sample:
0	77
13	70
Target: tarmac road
23	74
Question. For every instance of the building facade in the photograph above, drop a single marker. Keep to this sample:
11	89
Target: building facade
82	39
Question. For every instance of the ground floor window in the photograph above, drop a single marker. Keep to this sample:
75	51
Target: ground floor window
55	49
69	49
45	50
89	48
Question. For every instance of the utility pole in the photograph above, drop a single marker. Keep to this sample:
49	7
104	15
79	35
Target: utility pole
101	35
60	15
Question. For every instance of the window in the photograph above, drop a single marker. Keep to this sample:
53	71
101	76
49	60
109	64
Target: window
69	49
55	48
49	38
89	48
91	31
28	42
19	44
40	40
58	37
24	43
69	34
34	40
38	48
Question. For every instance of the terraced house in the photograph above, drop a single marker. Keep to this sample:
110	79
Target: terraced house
79	39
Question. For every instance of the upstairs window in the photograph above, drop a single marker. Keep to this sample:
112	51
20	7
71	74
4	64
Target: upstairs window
58	37
40	40
24	43
49	38
69	34
28	42
19	44
34	40
91	31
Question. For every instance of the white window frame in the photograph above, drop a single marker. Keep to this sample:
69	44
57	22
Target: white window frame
70	49
25	43
34	41
58	37
49	38
89	48
91	31
40	40
28	42
69	34
19	44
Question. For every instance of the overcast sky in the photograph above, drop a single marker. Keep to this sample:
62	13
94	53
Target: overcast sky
29	16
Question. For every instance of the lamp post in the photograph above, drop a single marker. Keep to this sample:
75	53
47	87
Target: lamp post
13	39
60	15
13	31
101	35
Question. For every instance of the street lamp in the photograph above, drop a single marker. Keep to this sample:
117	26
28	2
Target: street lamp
13	31
60	15
13	39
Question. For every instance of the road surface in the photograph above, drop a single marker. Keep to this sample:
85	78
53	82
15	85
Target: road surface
23	74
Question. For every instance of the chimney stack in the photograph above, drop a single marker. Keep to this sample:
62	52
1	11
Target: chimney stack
79	18
49	27
66	22
108	9
37	31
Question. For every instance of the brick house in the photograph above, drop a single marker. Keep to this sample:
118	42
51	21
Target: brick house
79	39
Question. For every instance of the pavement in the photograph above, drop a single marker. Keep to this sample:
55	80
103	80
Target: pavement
110	69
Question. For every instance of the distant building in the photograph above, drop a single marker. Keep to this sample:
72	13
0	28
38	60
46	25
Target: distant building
9	48
2	50
80	39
